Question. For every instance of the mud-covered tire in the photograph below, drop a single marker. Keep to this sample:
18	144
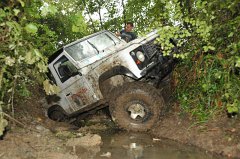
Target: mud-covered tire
56	113
131	100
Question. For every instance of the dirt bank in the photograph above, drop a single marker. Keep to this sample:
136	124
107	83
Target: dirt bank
42	138
220	135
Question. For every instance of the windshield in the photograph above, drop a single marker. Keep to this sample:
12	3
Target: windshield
92	46
103	41
81	50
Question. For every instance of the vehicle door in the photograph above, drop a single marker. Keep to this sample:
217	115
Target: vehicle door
73	84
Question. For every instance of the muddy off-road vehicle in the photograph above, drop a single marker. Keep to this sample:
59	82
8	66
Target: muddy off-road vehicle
102	70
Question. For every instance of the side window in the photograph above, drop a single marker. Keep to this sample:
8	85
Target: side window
65	69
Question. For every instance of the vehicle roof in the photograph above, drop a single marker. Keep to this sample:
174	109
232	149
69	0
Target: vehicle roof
59	51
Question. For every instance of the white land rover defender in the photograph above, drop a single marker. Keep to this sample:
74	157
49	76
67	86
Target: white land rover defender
102	70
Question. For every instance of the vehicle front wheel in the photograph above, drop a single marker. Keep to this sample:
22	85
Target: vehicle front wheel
136	106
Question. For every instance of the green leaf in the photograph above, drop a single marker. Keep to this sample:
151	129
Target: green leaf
205	87
231	34
49	88
12	46
48	9
29	59
78	23
16	11
211	48
37	53
2	13
232	108
44	11
237	63
75	28
205	48
22	3
9	61
42	67
52	9
31	28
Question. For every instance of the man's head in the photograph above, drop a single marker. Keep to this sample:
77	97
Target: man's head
129	27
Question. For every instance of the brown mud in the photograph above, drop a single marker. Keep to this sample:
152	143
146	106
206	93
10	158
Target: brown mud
44	138
220	135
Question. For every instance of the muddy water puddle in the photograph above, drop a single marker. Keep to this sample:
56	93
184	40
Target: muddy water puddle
127	145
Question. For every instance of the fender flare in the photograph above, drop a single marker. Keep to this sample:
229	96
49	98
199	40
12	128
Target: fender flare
118	70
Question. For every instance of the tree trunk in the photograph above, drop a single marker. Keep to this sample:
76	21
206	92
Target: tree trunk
89	15
100	16
124	12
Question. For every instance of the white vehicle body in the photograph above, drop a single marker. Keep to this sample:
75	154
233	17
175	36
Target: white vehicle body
96	58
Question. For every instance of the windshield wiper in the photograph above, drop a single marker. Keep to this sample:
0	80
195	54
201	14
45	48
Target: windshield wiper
93	46
111	39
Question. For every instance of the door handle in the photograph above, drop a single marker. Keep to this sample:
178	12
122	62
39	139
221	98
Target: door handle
68	94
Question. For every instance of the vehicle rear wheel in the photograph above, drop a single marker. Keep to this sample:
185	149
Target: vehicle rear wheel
136	106
55	113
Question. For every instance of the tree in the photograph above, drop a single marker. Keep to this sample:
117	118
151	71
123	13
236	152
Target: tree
28	34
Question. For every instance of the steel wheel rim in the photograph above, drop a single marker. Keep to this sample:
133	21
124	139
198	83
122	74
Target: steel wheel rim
136	111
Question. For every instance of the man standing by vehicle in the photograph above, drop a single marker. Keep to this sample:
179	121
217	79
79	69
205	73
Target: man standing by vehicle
127	33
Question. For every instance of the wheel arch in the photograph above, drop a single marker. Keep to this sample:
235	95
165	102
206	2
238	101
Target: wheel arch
115	71
118	70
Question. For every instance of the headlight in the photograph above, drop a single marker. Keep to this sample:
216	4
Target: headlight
140	56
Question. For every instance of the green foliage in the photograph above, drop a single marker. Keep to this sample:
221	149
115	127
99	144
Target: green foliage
207	38
48	9
78	24
49	88
20	59
31	28
211	83
28	35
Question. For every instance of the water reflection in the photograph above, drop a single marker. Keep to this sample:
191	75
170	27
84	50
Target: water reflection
127	145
